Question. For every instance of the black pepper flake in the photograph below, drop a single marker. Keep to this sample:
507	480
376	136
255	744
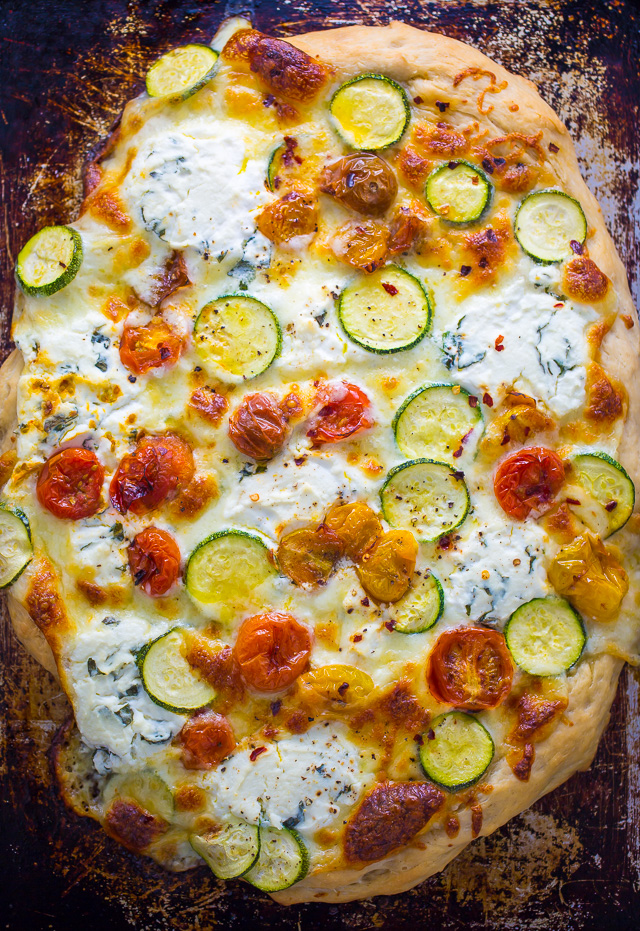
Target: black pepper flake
418	100
458	474
452	165
487	164
275	707
197	369
553	147
499	161
419	739
465	270
132	379
365	602
483	262
431	734
441	105
343	688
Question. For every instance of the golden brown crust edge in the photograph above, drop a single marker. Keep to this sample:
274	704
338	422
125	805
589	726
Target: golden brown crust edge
429	60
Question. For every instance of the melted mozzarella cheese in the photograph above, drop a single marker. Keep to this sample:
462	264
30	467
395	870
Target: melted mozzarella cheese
197	187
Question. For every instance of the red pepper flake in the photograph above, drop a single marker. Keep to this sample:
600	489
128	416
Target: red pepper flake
343	688
577	247
431	735
389	625
473	401
573	501
256	753
553	147
457	453
465	270
418	100
505	437
611	506
498	343
275	707
628	321
357	638
487	399
559	304
390	288
419	739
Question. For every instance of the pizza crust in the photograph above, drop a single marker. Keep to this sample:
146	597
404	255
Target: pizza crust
428	63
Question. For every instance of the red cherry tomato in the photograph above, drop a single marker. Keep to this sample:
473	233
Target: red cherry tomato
154	561
258	427
272	650
528	481
470	668
157	470
154	345
70	484
207	739
345	410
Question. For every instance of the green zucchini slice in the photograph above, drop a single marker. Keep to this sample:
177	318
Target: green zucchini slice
283	860
181	72
458	191
273	165
456	751
231	850
606	494
16	549
370	112
50	260
144	787
168	678
426	496
545	636
237	335
421	607
226	567
434	421
547	222
387	311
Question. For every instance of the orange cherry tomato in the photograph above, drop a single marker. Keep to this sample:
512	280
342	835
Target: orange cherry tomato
307	556
258	427
154	561
345	411
272	650
210	404
470	668
386	569
528	481
207	739
356	525
157	470
70	484
153	345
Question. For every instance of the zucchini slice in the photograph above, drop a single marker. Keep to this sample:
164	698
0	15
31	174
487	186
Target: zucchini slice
421	607
273	165
370	112
169	679
456	751
427	496
283	860
387	311
458	191
434	420
50	260
181	72
227	566
607	495
231	850
545	636
144	787
547	222
238	335
16	549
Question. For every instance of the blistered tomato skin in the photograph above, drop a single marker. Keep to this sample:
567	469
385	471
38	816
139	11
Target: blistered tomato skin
294	214
587	573
272	650
206	740
356	525
470	668
363	182
258	427
386	569
345	410
154	561
155	472
153	345
70	484
528	481
307	556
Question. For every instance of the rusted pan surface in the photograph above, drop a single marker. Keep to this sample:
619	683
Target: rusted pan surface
572	862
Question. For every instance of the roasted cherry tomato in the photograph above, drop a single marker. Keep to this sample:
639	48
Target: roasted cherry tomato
272	650
292	215
361	245
150	346
258	427
590	576
470	668
307	556
386	569
356	525
528	481
339	685
206	739
154	561
362	181
209	404
157	470
345	411
70	484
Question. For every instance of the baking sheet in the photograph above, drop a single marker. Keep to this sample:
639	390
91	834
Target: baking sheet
571	862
